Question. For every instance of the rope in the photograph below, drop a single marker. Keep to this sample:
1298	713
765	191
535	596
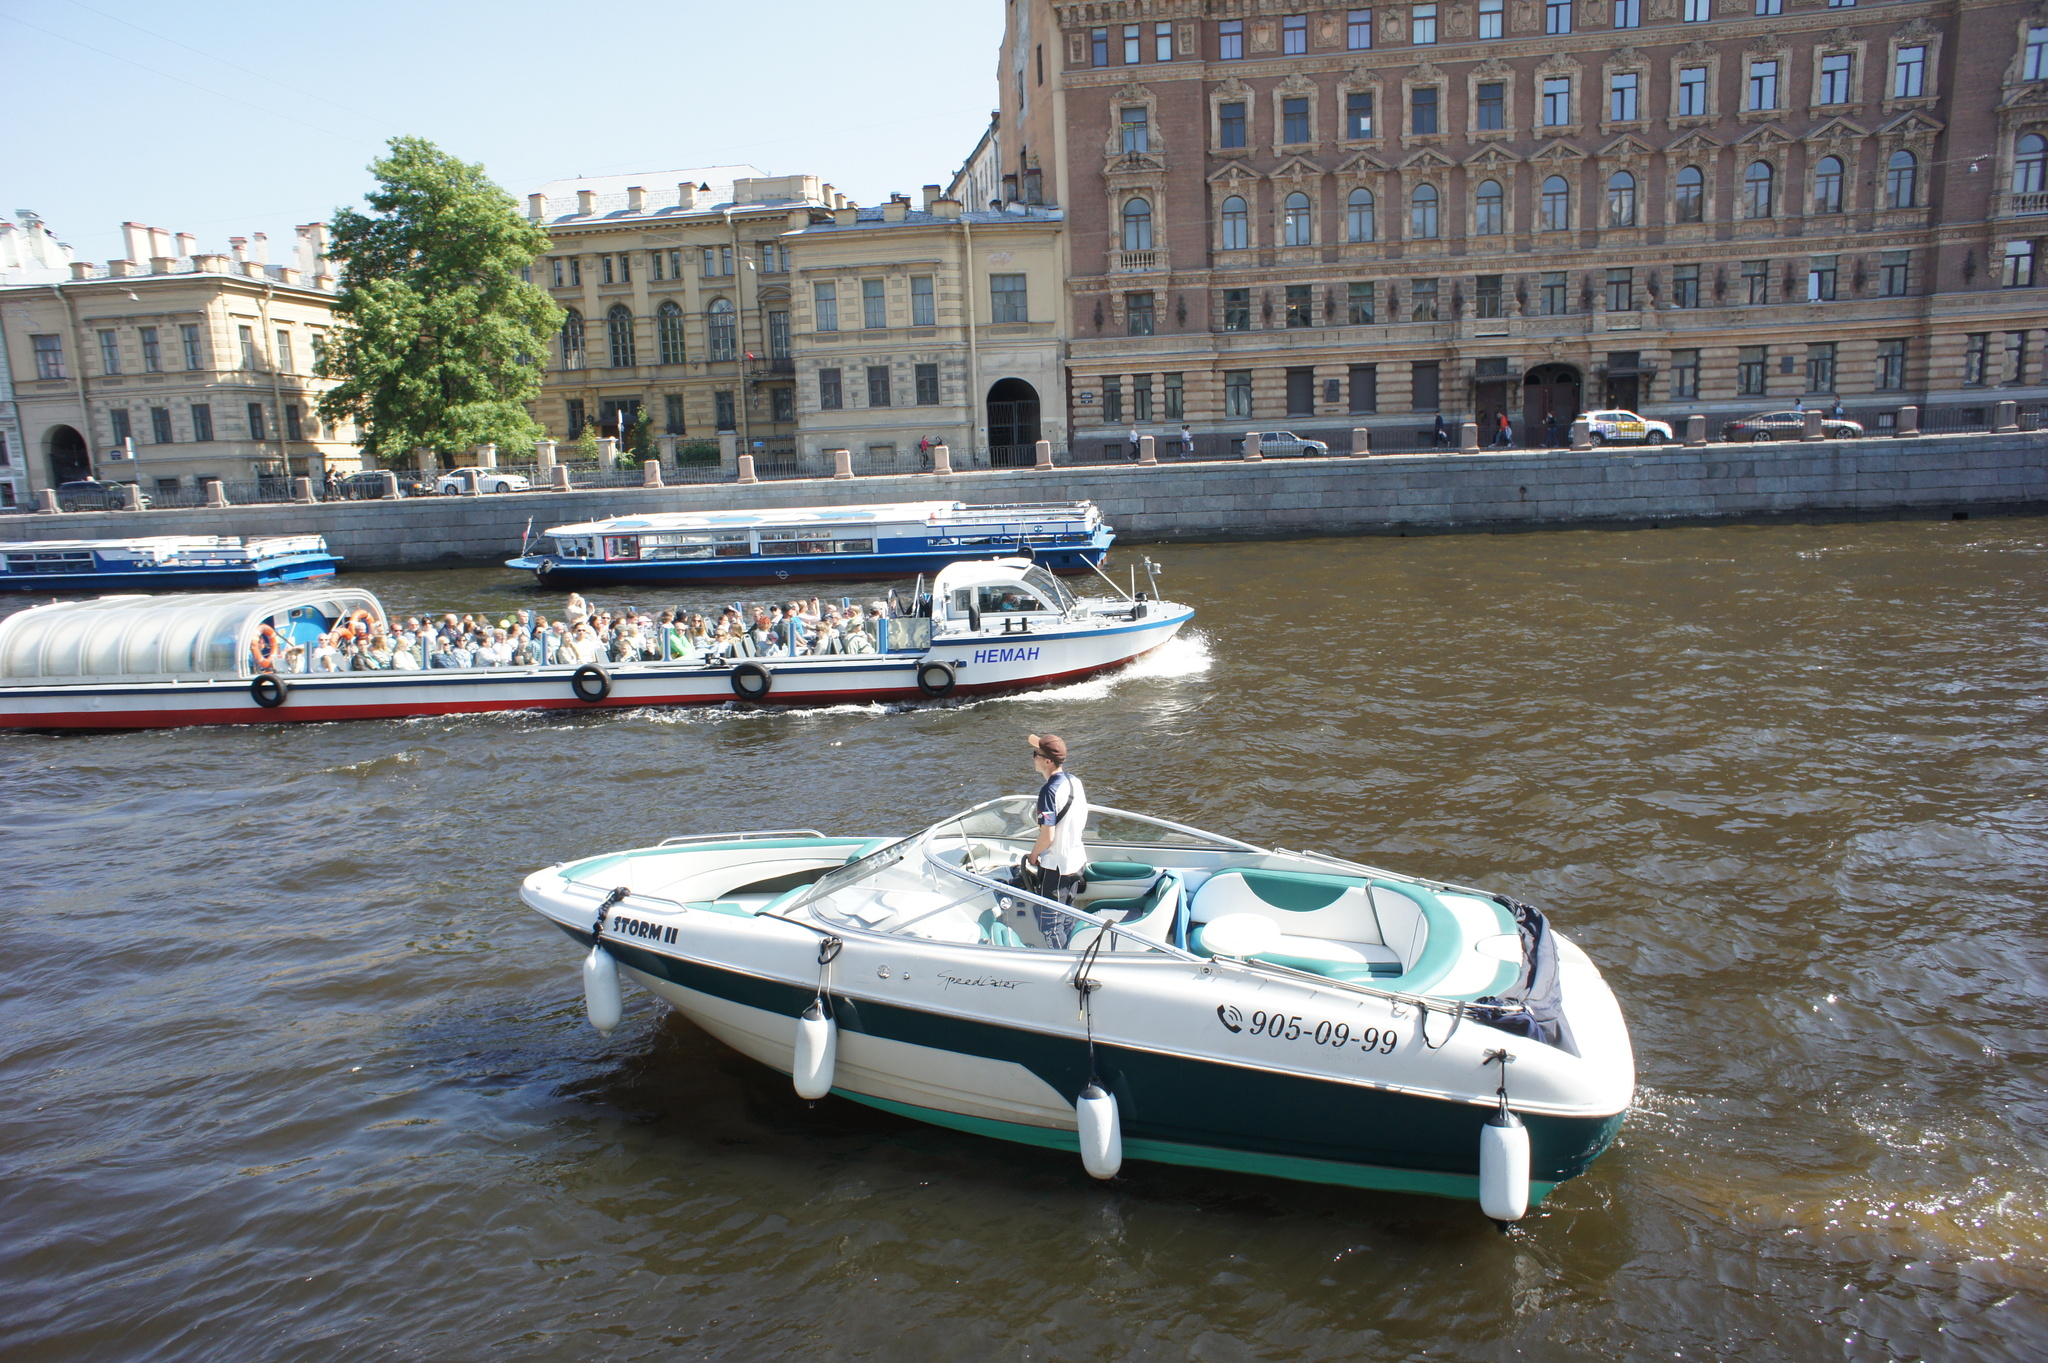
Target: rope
604	909
828	952
1085	986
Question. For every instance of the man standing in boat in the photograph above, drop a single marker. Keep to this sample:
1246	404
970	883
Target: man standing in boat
1056	860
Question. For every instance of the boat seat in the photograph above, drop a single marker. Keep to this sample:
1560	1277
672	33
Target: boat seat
1120	870
1152	916
995	932
1329	925
1320	956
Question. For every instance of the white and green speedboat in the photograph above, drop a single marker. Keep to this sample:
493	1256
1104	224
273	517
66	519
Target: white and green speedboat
1218	1004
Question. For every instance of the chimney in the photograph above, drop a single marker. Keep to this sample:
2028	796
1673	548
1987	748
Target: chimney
81	269
536	206
238	248
259	249
187	244
135	240
845	217
838	201
303	250
686	195
946	208
213	264
253	269
636	199
931	196
799	219
119	268
159	242
586	202
896	209
159	264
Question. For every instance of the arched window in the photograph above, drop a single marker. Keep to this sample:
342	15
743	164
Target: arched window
572	340
2030	164
1137	225
618	329
1358	222
1297	225
1621	199
719	328
1689	194
668	326
1827	185
1901	180
1489	215
1236	224
1756	189
1557	204
1422	212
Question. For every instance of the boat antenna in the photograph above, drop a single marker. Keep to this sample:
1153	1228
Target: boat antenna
1152	576
1106	577
525	537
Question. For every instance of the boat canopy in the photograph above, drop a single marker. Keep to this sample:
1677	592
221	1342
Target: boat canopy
941	514
195	549
161	638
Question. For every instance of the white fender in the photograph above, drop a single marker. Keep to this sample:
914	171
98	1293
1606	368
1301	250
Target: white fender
1102	1133
601	997
817	1052
1504	1167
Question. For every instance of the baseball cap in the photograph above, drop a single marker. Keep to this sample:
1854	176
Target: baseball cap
1050	745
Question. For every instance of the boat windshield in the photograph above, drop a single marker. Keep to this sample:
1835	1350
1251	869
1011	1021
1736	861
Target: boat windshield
1012	819
1050	587
852	873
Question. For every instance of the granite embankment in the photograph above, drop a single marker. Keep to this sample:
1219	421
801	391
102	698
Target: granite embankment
1401	494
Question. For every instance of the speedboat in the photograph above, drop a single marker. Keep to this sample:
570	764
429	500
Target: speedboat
1213	1003
163	562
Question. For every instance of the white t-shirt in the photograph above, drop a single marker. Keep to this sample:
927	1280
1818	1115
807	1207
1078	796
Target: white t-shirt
1064	798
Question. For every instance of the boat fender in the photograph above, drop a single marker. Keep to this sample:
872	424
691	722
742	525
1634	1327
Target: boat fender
1102	1133
1504	1166
269	690
751	681
591	683
601	996
936	679
817	1052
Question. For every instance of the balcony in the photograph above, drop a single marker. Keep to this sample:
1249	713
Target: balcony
2025	205
1136	262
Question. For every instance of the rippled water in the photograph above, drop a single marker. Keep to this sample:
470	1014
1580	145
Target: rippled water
290	1073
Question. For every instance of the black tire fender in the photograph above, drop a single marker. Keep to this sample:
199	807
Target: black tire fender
751	681
936	678
591	683
269	690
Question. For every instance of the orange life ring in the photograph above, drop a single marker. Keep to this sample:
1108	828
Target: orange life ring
362	621
266	648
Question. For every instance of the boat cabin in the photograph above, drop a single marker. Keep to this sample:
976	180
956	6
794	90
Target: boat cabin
976	596
168	638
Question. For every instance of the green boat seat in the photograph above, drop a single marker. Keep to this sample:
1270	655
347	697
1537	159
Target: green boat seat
1120	870
1149	916
995	932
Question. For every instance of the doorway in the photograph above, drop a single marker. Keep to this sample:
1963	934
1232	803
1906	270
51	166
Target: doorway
69	459
1549	390
1012	424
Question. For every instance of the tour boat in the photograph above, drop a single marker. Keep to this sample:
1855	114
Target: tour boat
811	543
138	662
162	562
1217	1004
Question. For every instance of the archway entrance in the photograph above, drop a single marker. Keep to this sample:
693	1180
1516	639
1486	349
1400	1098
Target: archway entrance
69	460
1012	424
1549	390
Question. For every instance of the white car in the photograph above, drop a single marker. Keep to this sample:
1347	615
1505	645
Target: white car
1622	427
1272	443
465	482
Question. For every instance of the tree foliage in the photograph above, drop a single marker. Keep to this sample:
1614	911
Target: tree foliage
442	342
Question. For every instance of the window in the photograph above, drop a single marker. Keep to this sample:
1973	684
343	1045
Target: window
1557	101
152	353
1365	387
1138	313
1688	194
721	330
2019	264
1236	224
1891	365
1749	370
1621	199
830	396
1422	25
1557	204
1141	397
1827	185
1358	114
1909	73
1162	44
293	430
1422	223
110	352
1098	47
1007	301
284	351
1297	224
1230	125
2030	162
248	339
874	306
1428	385
1361	307
1358	30
1237	309
1820	367
1490	110
1698	11
255	414
557	263
1893	271
1423	109
1137	225
668	332
1621	97
1294	121
1756	189
1112	399
1834	79
923	313
1975	346
1692	91
1134	130
1763	85
717	261
572	340
1486	295
1685	373
605	264
781	405
1237	392
675	264
1821	273
618	327
160	425
1301	392
673	405
1557	16
188	336
202	421
927	385
1294	35
2036	67
572	411
1488	216
575	272
1756	281
117	419
1358	223
1132	45
2015	357
1422	300
1621	290
878	385
1300	305
1176	405
653	268
1229	40
1628	13
1901	174
724	411
1841	4
1552	293
1685	286
825	300
1770	6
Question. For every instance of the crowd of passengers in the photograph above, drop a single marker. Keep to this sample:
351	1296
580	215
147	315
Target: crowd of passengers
581	635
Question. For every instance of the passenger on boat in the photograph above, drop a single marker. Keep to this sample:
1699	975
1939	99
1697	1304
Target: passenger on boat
584	646
443	654
403	659
576	611
1057	857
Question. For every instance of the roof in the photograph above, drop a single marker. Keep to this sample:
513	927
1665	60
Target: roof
917	217
663	200
933	513
153	637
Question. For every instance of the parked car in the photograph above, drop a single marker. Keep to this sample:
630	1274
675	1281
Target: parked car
90	494
1618	426
1789	425
466	481
1276	443
370	486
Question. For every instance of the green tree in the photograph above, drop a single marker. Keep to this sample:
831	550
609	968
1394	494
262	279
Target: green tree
642	445
443	340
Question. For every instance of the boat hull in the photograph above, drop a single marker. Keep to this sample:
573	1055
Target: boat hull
172	579
560	574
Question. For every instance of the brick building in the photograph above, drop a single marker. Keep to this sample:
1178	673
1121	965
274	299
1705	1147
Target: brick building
1327	216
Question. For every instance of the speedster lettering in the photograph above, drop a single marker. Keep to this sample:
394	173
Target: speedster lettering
1006	655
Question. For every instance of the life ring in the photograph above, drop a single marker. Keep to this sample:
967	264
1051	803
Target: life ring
936	679
266	648
547	565
751	681
582	679
269	690
363	618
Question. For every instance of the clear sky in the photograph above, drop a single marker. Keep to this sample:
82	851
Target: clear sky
225	122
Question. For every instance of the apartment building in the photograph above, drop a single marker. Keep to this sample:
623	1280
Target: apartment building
1335	215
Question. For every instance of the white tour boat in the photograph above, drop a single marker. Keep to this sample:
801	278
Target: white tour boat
140	662
1218	1004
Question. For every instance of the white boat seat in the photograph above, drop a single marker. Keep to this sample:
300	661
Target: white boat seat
1329	925
1149	917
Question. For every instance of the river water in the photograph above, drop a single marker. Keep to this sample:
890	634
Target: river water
291	1074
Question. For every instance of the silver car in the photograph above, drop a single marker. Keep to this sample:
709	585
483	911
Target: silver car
465	481
1273	444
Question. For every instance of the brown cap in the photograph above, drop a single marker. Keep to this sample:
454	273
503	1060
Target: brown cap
1049	745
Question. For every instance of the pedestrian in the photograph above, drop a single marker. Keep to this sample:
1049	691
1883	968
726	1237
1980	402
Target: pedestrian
1799	404
1837	412
1550	430
1443	432
333	483
924	450
1056	860
1187	441
1503	432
